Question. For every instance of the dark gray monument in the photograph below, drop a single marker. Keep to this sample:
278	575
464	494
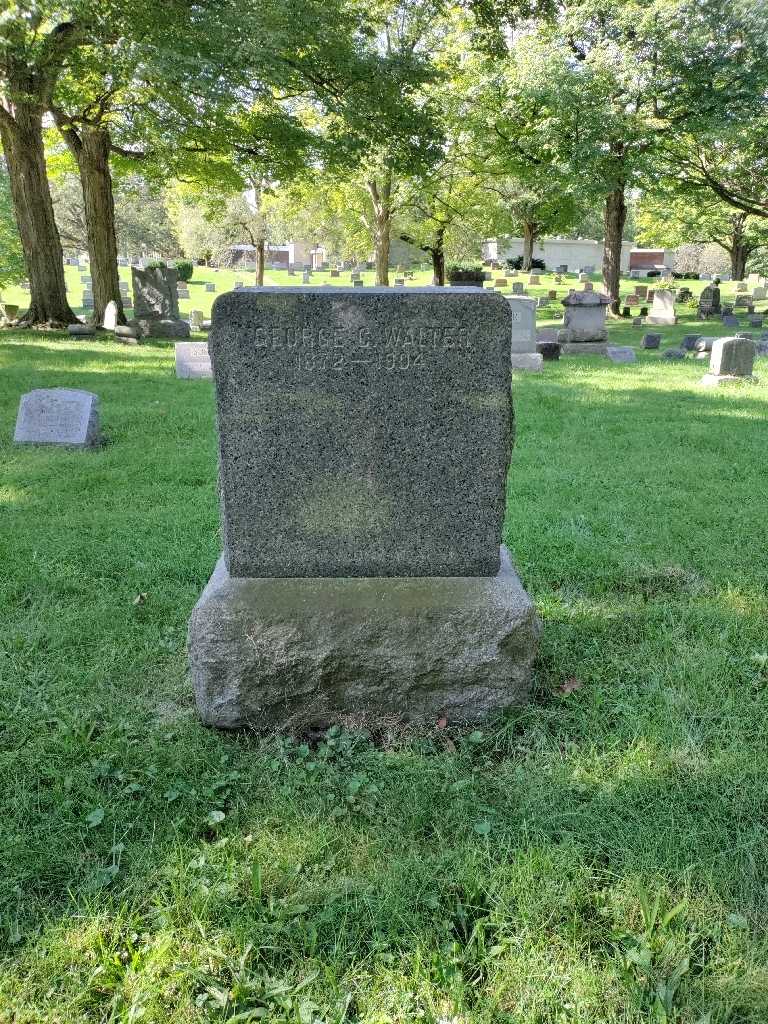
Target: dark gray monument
61	416
364	442
156	303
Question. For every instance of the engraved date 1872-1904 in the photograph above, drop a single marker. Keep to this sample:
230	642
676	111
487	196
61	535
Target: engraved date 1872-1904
330	348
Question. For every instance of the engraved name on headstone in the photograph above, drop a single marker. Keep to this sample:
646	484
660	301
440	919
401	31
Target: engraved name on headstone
192	359
64	416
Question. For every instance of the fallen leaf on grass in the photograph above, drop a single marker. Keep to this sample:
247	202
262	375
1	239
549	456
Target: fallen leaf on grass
140	599
570	684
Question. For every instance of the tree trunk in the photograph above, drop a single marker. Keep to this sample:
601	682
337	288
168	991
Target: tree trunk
438	257
382	225
260	261
381	241
529	237
615	216
96	179
21	134
738	248
90	146
738	263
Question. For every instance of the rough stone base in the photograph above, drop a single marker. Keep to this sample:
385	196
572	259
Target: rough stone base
585	348
532	361
146	328
712	380
293	653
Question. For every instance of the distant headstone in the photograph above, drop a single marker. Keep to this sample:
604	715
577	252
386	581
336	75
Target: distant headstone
156	303
523	329
563	268
732	359
364	443
548	350
358	283
500	282
709	301
552	294
689	342
192	359
210	286
641	291
621	354
110	316
63	416
701	345
583	276
729	320
758	294
673	353
584	319
663	308
335	273
196	318
534	279
518	288
633	300
651	341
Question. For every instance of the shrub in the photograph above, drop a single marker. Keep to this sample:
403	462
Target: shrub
470	275
185	269
517	264
155	265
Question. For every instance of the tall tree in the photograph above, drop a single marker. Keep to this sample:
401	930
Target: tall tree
12	268
671	220
35	45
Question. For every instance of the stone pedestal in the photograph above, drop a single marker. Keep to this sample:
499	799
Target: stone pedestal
290	653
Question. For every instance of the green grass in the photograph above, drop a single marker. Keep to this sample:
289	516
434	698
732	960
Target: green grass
548	316
154	870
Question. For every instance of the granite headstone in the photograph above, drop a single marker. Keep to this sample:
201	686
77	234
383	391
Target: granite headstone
61	416
364	442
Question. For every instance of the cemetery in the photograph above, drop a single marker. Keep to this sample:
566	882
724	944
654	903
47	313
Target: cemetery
384	593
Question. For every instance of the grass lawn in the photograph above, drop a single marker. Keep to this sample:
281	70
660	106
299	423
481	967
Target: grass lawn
622	331
156	871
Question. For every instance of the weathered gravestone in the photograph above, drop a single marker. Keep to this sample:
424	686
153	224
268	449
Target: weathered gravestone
709	301
364	441
63	416
523	345
621	354
584	319
651	341
689	342
732	359
210	286
156	303
192	359
663	308
110	316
